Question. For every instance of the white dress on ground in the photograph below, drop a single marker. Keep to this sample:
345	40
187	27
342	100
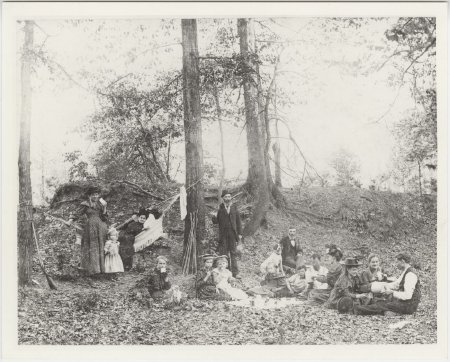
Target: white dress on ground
221	279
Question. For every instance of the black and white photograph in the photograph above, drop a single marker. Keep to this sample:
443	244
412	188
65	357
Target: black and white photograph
226	179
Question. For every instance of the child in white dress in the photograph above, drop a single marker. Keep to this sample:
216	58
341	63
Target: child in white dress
113	262
222	278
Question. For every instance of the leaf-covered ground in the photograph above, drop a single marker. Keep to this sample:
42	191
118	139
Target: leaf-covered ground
85	311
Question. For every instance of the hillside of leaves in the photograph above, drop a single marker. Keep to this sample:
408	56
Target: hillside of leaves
85	311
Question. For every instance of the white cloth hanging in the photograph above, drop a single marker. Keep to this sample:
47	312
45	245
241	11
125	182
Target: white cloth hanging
183	203
152	231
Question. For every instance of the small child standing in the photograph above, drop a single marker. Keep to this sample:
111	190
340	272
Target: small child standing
113	262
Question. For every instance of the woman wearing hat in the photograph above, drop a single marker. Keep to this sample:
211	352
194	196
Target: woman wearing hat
204	281
95	231
127	235
348	288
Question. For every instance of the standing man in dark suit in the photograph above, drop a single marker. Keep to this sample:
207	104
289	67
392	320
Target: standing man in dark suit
230	231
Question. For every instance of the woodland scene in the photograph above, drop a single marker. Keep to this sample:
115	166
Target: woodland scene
227	181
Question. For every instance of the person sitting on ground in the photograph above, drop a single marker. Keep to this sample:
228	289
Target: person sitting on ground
316	272
113	262
158	282
222	278
295	284
275	258
274	282
348	289
374	277
127	235
404	293
204	282
320	296
291	251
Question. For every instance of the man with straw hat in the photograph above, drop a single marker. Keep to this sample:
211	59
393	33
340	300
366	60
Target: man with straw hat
230	231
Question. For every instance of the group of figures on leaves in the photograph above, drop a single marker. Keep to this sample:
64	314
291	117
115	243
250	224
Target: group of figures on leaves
106	250
339	286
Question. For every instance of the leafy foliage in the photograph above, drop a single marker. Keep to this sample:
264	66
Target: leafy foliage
346	166
135	129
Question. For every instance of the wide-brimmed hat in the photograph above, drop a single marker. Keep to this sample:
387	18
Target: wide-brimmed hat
208	257
225	192
222	257
350	262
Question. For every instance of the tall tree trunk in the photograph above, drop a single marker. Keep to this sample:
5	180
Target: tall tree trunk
420	178
193	134
222	153
276	145
25	231
169	145
257	178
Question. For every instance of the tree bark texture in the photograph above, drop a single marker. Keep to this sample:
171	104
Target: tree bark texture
193	131
25	217
257	178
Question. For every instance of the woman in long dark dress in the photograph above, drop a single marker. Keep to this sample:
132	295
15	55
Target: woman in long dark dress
92	213
126	238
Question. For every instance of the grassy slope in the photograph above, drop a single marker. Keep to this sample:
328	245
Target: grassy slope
118	316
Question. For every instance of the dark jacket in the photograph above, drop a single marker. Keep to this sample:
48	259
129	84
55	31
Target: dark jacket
226	220
157	283
289	252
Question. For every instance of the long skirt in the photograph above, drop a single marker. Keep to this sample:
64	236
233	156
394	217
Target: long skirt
92	246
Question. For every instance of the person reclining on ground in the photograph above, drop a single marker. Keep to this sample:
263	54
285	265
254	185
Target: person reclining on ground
273	282
404	293
295	284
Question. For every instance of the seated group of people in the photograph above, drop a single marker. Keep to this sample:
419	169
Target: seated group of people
340	286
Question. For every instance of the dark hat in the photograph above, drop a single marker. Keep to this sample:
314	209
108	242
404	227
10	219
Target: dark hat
208	257
405	257
225	192
93	190
350	262
142	211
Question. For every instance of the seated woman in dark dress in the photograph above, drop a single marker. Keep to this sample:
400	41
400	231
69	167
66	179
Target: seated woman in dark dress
126	238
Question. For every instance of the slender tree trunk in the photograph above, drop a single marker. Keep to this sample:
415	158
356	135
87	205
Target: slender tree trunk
193	133
25	231
420	178
276	145
169	144
222	153
257	178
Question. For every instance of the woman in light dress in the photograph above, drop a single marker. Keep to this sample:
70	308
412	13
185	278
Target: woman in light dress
222	278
